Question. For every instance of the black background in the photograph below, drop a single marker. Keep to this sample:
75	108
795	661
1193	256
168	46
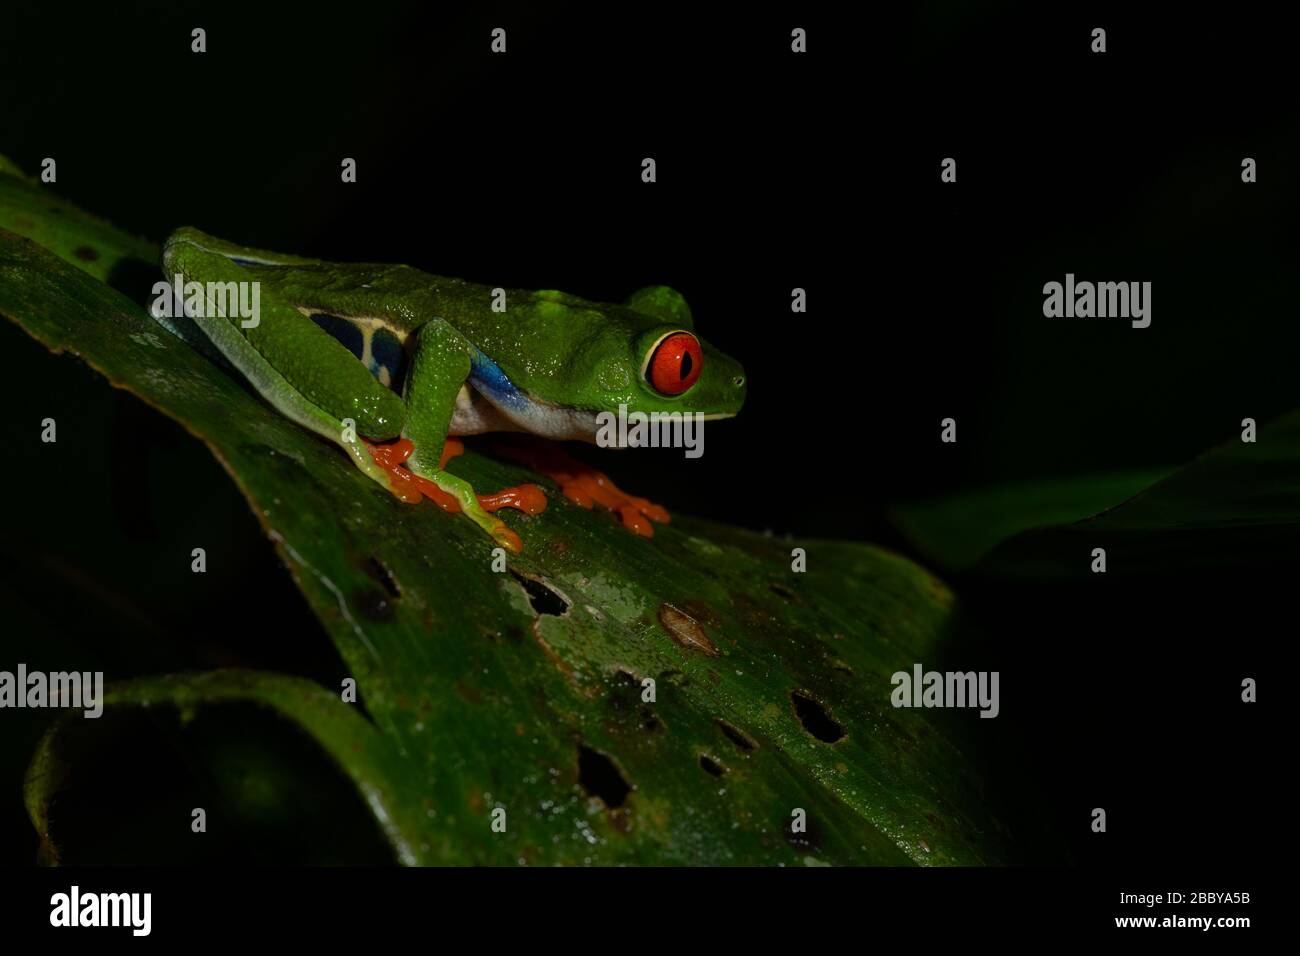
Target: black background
774	171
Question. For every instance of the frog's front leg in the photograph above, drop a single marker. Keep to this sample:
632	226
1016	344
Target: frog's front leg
439	367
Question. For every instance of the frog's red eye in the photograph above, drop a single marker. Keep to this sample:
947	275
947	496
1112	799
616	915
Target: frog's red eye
676	363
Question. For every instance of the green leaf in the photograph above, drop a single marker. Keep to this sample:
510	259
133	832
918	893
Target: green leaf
957	530
34	210
1236	506
350	740
523	691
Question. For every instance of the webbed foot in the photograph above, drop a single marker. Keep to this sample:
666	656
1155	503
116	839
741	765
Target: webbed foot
454	494
587	487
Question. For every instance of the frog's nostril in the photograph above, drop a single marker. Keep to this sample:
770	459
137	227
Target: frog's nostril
738	381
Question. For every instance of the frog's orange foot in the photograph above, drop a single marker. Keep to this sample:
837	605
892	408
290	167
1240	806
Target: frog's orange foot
587	487
410	487
403	482
529	498
590	487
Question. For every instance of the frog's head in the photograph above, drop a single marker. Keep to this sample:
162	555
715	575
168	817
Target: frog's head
652	363
667	365
643	355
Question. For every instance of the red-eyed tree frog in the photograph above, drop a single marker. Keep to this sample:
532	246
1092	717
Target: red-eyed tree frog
388	362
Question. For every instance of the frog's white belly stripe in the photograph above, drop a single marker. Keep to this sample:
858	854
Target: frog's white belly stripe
476	413
494	403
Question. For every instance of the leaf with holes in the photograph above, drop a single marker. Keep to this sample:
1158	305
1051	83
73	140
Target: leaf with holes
686	699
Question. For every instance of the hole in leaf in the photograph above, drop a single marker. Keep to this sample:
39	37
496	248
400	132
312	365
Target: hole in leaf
816	719
384	577
736	735
601	778
543	598
711	766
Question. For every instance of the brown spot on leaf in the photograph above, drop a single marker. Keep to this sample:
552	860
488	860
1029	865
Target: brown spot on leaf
85	253
685	630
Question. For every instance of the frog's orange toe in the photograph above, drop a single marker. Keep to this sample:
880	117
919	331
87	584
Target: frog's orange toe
635	522
402	482
509	539
576	495
529	499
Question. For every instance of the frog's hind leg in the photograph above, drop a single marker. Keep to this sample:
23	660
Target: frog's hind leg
269	351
